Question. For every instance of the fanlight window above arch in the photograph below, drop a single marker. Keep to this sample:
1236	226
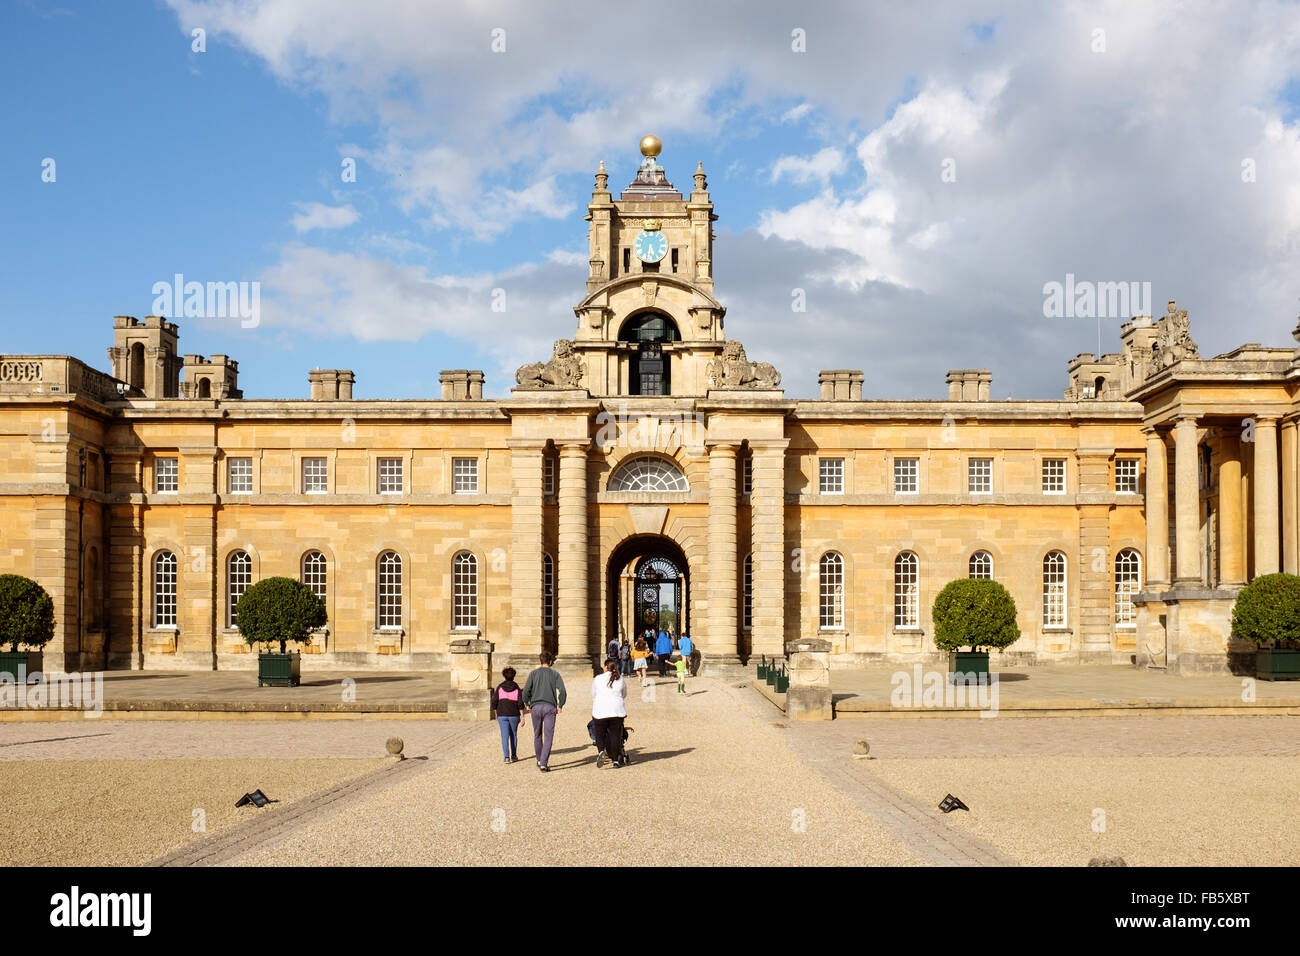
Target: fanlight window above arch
648	474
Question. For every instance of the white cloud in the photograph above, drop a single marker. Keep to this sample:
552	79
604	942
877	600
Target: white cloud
821	166
315	215
796	113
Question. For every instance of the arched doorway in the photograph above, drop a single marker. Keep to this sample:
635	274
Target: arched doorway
647	583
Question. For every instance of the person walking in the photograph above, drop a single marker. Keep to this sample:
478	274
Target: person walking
507	708
663	651
639	655
544	697
608	709
625	657
686	648
611	649
680	664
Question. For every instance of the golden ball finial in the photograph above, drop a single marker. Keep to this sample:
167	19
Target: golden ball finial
650	145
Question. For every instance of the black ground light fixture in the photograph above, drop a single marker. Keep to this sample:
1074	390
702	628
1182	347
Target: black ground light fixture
951	803
257	798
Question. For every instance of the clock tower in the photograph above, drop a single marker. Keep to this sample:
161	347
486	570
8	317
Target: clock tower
649	324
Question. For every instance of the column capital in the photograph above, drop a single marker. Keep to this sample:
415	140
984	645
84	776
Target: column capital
574	449
1152	431
722	448
526	444
769	444
1182	420
1260	420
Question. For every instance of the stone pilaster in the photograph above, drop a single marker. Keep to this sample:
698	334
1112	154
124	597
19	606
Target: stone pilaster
1096	597
1265	488
723	631
767	535
571	562
1232	519
1290	545
1187	503
1157	509
526	545
809	695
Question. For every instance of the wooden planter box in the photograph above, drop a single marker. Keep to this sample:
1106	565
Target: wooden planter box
279	670
1277	663
29	661
968	666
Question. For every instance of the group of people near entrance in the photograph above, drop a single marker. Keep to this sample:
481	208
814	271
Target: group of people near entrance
665	650
543	697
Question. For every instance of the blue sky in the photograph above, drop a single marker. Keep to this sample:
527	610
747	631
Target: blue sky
474	170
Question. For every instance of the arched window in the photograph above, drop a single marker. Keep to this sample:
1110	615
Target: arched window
831	588
164	589
205	388
981	566
647	473
548	593
239	575
648	367
388	602
464	590
747	593
314	569
1128	581
907	591
1054	589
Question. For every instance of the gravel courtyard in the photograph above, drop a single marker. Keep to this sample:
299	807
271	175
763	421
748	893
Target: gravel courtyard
719	777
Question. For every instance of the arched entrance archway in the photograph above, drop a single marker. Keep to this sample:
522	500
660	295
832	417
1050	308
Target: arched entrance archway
647	573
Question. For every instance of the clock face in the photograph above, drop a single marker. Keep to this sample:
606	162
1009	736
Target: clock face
650	246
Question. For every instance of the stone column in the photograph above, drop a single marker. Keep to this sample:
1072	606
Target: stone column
471	670
1157	509
1265	487
1290	546
1187	503
526	546
723	628
767	534
809	695
571	562
1232	520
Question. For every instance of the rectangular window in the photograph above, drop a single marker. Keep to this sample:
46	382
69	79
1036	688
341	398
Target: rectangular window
548	476
747	476
166	476
239	476
905	471
315	476
1126	476
464	472
674	260
1053	476
830	476
627	261
979	476
390	476
747	593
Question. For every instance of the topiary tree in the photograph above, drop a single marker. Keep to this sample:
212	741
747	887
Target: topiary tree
279	609
1267	611
974	613
26	613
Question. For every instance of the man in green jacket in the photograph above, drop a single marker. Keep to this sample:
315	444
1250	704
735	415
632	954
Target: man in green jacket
544	697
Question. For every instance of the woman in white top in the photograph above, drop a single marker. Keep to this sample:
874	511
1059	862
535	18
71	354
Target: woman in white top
608	708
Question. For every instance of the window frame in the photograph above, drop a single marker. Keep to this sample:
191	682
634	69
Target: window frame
1061	596
231	489
1124	591
308	577
173	583
1135	463
830	588
464	591
308	464
390	591
459	472
1043	472
830	468
973	465
387	461
241	586
915	463
907	591
172	472
971	569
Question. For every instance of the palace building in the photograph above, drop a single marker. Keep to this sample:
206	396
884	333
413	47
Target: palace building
649	473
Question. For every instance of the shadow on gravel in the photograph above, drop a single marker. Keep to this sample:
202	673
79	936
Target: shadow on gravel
644	756
51	740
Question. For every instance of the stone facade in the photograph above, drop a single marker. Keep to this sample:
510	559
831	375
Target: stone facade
648	454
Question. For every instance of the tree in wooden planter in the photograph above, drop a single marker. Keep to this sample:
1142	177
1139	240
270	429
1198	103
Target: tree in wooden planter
1267	612
27	620
283	610
977	613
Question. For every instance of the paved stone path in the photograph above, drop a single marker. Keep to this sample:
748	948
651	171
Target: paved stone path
713	782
